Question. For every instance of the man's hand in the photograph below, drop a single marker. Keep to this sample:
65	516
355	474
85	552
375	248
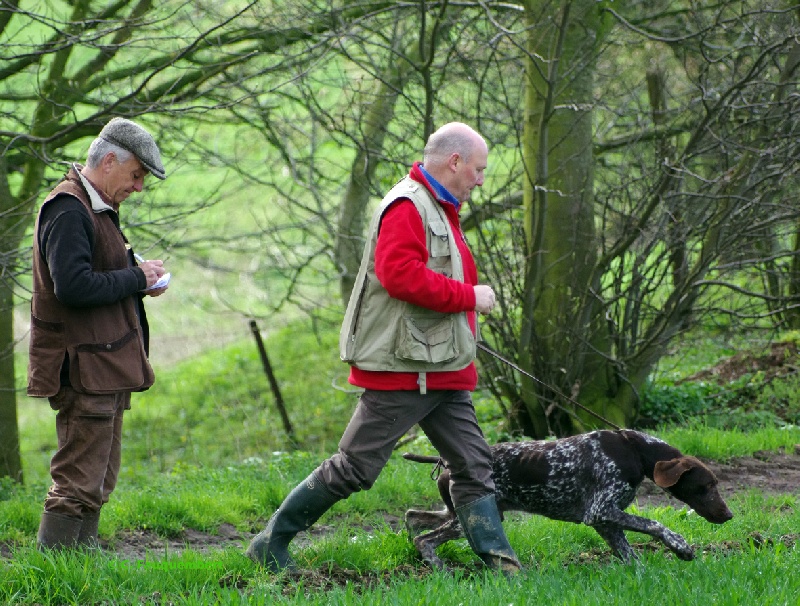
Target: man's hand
484	298
153	270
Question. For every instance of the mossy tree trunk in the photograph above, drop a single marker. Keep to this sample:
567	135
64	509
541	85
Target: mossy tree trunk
562	339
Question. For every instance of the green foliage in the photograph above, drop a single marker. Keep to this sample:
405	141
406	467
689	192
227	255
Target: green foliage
781	397
670	403
7	486
741	405
748	394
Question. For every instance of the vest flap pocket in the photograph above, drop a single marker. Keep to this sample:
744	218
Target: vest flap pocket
440	246
439	334
423	340
99	368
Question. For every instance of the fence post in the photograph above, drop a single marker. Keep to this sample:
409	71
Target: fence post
273	383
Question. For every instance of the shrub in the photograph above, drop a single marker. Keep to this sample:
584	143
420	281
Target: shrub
675	403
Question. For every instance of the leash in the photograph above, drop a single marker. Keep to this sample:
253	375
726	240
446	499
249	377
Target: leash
509	363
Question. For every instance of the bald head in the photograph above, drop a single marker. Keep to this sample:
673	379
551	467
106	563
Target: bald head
452	138
455	155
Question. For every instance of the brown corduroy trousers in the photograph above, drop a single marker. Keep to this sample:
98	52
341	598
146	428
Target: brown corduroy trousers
86	465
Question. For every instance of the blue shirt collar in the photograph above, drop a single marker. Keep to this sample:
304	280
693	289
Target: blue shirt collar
441	190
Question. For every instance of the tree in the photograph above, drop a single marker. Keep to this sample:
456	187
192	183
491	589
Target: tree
559	201
640	170
607	223
413	47
179	67
679	211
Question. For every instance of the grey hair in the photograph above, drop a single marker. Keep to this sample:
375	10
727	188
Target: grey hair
100	148
452	138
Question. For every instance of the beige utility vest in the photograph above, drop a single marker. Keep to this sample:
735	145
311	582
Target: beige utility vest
380	333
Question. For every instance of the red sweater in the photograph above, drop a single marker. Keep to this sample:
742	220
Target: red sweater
401	256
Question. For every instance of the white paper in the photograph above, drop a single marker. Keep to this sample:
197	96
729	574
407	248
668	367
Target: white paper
162	282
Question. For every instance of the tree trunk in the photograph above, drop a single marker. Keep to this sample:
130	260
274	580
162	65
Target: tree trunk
10	463
563	339
15	215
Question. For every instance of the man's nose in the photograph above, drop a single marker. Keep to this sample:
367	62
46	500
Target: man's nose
138	184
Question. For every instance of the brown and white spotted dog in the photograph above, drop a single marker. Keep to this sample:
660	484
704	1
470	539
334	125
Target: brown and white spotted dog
590	479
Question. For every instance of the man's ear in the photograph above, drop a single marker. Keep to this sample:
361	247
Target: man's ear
453	161
108	162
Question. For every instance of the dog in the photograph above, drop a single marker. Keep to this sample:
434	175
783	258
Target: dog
589	478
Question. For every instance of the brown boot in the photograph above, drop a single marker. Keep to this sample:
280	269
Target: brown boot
57	531
87	537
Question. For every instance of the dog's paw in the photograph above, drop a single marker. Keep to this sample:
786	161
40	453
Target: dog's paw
679	546
414	523
685	555
427	552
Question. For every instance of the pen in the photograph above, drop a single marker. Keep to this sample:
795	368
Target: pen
138	257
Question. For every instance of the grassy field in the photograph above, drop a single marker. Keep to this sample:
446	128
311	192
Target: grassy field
205	450
759	576
361	560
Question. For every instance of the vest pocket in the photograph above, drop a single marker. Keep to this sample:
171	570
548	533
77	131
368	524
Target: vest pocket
439	249
440	243
430	340
116	366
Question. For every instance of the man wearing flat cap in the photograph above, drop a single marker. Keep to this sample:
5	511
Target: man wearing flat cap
89	332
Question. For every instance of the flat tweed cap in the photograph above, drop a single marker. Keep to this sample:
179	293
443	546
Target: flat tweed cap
132	137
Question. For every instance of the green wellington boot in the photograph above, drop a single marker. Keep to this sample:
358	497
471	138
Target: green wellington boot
304	506
484	531
87	537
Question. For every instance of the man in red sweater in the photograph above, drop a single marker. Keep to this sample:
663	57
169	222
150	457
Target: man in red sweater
409	335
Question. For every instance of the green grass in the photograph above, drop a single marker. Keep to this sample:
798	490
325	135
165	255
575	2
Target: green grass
751	559
720	444
217	409
565	563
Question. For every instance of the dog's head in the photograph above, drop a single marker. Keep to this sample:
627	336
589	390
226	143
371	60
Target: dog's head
689	480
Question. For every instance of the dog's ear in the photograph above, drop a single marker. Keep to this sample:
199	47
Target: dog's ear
667	473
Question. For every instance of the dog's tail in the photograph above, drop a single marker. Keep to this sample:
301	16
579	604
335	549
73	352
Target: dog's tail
421	458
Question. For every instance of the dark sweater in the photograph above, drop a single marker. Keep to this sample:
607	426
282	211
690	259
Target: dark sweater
66	238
